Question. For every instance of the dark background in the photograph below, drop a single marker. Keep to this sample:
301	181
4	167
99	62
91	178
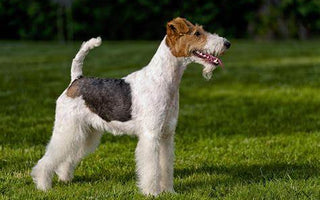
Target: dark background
142	19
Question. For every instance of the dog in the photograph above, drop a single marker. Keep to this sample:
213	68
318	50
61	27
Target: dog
145	103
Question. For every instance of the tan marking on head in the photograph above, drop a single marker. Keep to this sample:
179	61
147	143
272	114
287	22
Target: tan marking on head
183	37
73	90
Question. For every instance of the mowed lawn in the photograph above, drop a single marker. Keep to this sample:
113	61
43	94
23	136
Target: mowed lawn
252	132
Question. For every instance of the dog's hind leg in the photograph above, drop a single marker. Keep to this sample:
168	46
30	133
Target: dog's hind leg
66	139
66	169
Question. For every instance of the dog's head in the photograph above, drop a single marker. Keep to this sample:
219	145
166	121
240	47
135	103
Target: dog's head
192	42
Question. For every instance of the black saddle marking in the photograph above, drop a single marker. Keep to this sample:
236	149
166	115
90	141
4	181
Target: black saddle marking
109	98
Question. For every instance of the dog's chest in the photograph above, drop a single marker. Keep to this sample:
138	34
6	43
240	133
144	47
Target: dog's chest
109	98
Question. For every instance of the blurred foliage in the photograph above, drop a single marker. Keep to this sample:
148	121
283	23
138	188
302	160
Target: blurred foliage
286	19
145	19
27	19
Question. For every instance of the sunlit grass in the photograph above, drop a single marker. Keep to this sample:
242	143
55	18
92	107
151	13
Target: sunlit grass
252	132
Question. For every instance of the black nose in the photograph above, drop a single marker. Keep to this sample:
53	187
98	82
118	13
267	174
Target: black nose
227	44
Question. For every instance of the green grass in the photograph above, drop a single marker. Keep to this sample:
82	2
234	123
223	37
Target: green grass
252	132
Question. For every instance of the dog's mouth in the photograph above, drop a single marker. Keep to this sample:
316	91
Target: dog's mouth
209	58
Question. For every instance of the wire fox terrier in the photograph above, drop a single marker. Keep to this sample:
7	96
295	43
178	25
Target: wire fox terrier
145	103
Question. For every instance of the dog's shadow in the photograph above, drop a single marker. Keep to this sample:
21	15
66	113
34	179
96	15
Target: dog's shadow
105	175
244	174
192	178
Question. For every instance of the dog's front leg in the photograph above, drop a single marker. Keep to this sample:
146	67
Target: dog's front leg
166	162
148	168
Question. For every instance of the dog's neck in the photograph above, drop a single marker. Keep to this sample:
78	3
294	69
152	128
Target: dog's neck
165	67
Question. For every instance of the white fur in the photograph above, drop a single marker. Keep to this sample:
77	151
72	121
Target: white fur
76	67
214	45
155	107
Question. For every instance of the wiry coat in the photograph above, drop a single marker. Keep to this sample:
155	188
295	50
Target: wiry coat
144	103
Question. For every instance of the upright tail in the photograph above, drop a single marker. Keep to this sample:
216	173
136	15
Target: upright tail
76	68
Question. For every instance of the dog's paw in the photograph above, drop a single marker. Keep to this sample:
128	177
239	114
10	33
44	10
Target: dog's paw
151	192
64	175
168	190
42	183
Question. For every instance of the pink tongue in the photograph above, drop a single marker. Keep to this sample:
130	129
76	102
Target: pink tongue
212	59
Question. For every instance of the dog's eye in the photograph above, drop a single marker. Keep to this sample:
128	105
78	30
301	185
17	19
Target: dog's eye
197	33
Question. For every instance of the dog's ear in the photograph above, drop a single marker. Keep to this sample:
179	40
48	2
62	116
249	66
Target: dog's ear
178	27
